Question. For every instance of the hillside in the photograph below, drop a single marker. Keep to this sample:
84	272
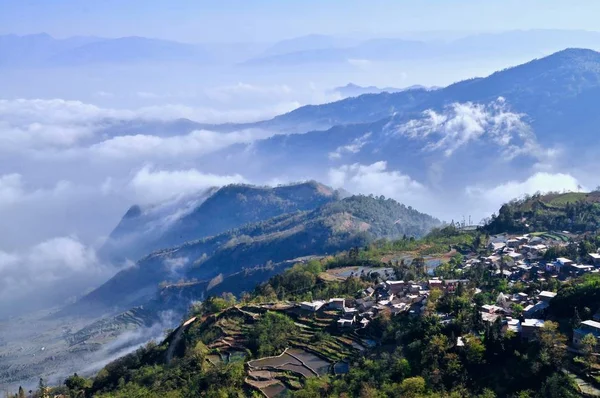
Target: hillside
269	343
573	211
334	226
209	213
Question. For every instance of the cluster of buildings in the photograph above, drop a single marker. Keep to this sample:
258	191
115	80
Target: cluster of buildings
391	295
519	258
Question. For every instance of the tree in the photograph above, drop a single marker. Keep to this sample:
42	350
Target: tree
272	333
576	320
77	384
588	344
412	387
21	392
42	389
552	345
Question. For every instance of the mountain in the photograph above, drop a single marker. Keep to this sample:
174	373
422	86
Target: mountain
353	90
334	226
509	124
36	49
504	45
576	212
209	213
42	50
130	50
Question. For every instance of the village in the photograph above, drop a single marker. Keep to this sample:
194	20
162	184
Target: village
515	259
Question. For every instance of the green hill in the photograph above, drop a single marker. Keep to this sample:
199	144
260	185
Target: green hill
335	226
144	230
573	211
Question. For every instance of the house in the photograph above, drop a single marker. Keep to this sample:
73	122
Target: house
345	323
530	326
522	296
496	246
414	288
514	243
514	256
337	303
578	269
364	322
492	260
395	287
562	262
514	325
398	308
594	258
491	309
586	327
535	309
364	305
489	318
349	311
451	284
368	292
546	296
435	284
534	251
313	306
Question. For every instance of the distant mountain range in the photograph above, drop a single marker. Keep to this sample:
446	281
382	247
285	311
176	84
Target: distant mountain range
42	50
453	137
354	90
494	45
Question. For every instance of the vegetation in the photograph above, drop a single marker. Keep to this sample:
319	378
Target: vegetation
576	212
414	356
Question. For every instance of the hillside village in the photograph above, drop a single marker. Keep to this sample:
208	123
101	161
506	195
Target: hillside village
327	316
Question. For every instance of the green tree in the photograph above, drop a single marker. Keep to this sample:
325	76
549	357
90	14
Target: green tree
272	333
412	387
588	344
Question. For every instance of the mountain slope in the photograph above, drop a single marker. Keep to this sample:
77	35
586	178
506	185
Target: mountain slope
332	227
209	213
572	211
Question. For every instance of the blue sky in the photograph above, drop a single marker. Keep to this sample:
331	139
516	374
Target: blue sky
264	20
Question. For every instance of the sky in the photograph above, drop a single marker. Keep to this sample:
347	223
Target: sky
264	20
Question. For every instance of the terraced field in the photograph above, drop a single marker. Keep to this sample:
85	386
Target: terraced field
313	350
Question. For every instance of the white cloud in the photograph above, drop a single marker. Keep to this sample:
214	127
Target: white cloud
462	123
56	123
354	147
196	143
377	179
152	186
11	188
489	200
36	272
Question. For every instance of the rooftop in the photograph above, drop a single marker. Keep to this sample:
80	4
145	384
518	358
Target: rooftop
592	324
536	323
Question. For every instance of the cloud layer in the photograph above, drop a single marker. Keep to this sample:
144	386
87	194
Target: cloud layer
462	123
31	276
